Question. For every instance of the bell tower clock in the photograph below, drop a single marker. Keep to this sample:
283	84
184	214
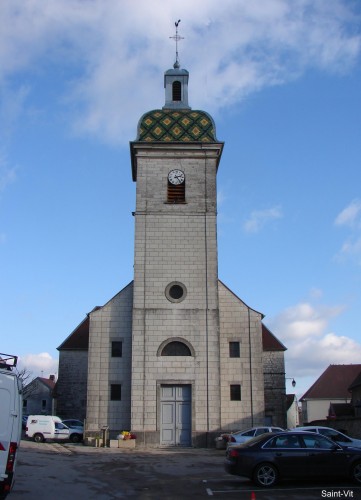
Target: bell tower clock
175	329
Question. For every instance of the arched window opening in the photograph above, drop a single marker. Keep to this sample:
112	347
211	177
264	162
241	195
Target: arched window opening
177	91
176	348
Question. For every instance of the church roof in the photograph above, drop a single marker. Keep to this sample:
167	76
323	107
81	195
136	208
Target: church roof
79	338
270	342
176	125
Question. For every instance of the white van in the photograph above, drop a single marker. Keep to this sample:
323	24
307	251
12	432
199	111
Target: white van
41	427
10	421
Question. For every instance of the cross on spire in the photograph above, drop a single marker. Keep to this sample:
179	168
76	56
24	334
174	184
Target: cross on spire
176	38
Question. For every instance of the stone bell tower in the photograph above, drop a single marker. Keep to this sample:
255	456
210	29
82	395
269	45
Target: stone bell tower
175	333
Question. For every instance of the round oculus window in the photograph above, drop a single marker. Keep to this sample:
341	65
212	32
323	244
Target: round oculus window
176	292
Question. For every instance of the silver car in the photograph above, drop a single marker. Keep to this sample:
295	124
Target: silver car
76	430
244	436
336	436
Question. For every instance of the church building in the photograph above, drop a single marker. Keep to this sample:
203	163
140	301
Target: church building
175	357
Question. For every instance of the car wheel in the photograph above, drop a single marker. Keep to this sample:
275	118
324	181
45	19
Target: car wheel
265	475
39	438
75	438
356	472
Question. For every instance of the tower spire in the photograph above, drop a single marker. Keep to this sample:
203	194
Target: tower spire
176	38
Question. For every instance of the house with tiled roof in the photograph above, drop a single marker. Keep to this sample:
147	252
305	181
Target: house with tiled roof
333	386
38	396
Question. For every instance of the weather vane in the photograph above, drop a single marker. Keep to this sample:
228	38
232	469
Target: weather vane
176	38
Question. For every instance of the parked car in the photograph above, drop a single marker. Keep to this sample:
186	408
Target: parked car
71	422
76	429
268	458
336	436
244	436
42	427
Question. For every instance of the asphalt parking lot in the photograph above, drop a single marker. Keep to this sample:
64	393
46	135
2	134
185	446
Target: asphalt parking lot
66	471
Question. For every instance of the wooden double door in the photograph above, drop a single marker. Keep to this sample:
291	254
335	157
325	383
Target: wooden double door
176	415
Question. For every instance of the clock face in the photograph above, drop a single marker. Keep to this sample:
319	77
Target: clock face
176	177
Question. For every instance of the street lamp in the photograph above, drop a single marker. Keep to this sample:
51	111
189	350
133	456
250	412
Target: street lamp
293	381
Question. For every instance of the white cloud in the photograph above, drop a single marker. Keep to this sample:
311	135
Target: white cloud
351	215
352	247
304	329
304	320
351	218
117	51
259	218
39	365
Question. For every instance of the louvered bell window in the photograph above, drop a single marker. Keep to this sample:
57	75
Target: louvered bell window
176	194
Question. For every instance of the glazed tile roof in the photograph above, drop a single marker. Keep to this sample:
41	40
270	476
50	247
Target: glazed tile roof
169	125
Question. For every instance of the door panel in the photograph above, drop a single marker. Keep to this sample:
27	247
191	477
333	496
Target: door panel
168	423
176	415
183	427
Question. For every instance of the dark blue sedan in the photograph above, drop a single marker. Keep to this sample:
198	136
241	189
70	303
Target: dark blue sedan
268	458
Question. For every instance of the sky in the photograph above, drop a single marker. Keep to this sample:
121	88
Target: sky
282	82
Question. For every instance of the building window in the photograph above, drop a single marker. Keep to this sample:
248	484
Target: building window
177	91
235	392
25	403
234	350
175	292
43	404
115	392
117	349
176	348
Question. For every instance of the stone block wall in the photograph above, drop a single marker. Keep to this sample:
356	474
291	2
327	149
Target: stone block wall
175	243
274	388
72	384
112	322
239	323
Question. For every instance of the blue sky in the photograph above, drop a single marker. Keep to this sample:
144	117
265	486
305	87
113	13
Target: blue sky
282	81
